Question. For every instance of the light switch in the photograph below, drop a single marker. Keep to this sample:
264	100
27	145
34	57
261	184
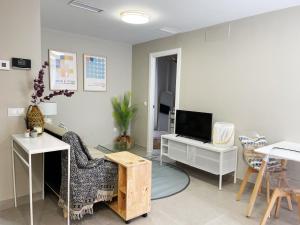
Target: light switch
16	112
4	65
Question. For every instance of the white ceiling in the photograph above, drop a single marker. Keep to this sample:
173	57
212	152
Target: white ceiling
181	15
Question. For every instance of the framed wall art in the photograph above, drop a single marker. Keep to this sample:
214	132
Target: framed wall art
63	70
94	73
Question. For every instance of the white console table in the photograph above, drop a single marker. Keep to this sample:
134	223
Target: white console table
205	156
24	148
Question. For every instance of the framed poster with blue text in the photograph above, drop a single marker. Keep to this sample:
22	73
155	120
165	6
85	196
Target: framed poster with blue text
94	73
63	70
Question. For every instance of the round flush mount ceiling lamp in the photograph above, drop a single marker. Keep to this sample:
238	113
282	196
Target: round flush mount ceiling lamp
135	17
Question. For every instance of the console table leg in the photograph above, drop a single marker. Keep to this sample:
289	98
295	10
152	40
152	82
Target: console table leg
14	175
30	191
235	168
221	171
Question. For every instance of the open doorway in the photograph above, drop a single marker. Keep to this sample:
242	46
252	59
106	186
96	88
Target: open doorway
163	95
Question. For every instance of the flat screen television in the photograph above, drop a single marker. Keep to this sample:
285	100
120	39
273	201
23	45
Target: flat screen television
196	125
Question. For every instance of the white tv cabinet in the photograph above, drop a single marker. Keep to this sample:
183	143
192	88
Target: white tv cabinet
205	156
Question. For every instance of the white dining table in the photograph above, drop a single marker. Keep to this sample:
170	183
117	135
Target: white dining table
283	150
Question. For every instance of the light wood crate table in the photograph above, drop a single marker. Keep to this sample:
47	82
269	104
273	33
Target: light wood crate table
134	185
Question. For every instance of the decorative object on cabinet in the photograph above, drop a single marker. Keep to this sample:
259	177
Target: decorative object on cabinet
34	117
34	133
63	70
123	113
94	73
223	134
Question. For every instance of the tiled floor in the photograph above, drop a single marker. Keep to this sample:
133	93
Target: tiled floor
200	204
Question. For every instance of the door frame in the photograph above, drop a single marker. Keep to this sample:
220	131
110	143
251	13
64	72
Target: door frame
152	75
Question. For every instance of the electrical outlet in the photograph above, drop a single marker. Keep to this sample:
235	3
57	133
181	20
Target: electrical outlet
16	112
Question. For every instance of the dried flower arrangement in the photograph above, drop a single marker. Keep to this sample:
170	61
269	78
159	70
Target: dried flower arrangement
39	88
34	117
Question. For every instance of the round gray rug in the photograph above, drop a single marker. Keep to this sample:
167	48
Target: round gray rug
167	180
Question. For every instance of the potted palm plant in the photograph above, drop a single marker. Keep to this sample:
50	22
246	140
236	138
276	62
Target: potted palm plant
123	113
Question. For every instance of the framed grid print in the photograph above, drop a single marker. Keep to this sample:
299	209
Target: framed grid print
63	70
94	73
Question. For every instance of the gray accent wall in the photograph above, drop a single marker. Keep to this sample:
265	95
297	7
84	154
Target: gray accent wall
246	72
90	113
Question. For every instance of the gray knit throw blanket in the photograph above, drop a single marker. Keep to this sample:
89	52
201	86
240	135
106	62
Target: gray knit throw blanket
92	180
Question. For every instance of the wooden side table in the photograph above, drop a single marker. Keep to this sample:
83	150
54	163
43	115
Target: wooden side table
134	185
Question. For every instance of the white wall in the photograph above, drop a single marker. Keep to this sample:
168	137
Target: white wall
250	78
90	113
21	41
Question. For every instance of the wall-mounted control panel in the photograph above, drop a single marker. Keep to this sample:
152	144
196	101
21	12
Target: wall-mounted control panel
4	65
18	63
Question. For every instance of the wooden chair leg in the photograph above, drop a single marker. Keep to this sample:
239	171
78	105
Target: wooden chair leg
275	195
298	202
289	201
277	210
244	183
256	187
268	186
260	188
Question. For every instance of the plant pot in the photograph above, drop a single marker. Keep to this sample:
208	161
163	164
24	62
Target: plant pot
124	142
34	117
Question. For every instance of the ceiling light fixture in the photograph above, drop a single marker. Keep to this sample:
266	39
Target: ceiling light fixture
135	17
85	6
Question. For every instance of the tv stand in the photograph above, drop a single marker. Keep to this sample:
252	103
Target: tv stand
214	159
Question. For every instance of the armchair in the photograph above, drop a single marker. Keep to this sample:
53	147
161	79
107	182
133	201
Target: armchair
92	180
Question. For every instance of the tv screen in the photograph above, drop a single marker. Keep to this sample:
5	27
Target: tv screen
195	125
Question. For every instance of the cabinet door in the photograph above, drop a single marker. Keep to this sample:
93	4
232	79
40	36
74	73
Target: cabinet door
178	151
204	159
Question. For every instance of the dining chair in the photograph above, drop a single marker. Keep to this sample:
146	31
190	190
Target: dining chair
275	201
276	169
254	161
